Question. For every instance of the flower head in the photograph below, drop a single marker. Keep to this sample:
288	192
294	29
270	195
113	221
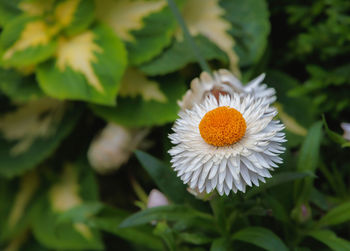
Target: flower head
226	143
224	82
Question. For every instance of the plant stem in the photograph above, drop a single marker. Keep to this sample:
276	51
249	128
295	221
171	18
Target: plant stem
203	64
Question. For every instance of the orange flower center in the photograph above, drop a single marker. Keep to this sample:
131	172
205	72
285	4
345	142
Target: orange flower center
222	126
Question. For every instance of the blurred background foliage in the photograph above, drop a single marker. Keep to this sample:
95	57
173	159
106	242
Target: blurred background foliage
71	68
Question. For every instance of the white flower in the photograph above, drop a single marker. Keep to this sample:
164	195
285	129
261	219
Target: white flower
224	82
226	143
113	147
346	128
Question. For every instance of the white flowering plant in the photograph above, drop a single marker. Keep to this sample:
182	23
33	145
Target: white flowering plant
174	125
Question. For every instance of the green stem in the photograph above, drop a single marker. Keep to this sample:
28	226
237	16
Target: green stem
203	64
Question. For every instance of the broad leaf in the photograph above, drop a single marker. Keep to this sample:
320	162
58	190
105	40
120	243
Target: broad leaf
30	133
164	177
179	54
19	88
87	67
109	219
74	16
250	27
260	237
178	213
18	197
337	215
137	112
145	26
331	240
8	10
26	41
209	21
72	189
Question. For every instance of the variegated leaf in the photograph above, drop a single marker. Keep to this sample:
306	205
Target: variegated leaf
145	25
75	186
135	83
137	112
26	41
208	20
74	16
86	67
31	132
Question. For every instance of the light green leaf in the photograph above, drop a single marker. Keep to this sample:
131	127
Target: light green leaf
26	41
87	67
337	215
250	28
18	88
145	26
30	133
136	112
260	237
74	16
72	189
331	240
177	213
179	54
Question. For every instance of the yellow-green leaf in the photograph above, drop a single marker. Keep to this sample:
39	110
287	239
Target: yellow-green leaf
86	67
135	83
125	16
26	41
206	18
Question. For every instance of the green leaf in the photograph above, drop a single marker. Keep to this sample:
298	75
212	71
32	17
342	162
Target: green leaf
289	107
8	10
22	144
337	138
109	219
178	213
145	26
219	244
18	197
308	160
260	237
136	112
164	231
87	67
337	215
179	54
18	88
331	240
26	41
74	16
74	187
276	180
250	28
166	179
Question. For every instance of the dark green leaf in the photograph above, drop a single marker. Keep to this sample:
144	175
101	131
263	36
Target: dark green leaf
330	239
337	215
260	237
